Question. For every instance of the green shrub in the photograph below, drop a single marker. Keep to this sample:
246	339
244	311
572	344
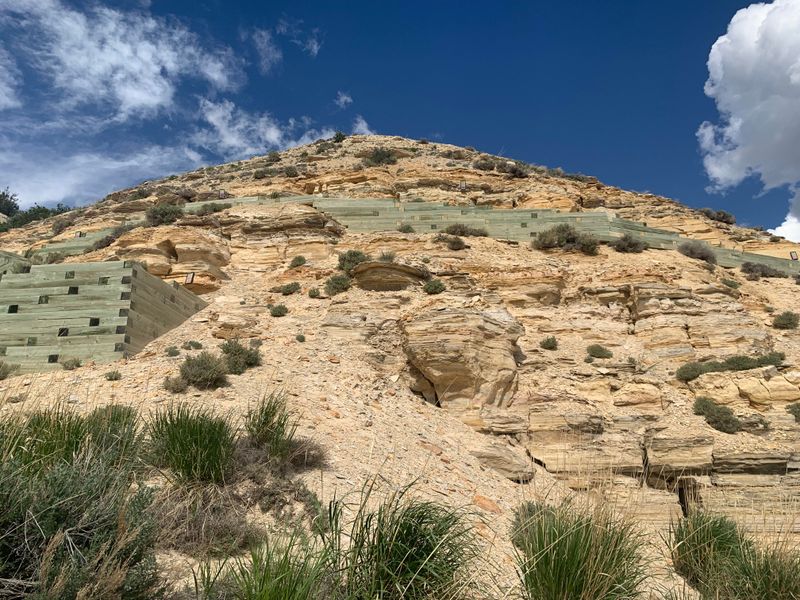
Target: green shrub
433	286
598	351
338	137
731	283
260	173
279	310
172	351
786	320
113	375
337	284
213	207
300	337
565	553
549	343
718	215
175	385
380	156
163	214
465	230
698	250
693	370
313	293
629	244
794	410
112	237
193	443
404	549
204	371
288	289
70	364
348	260
6	369
291	171
271	427
456	243
297	261
719	417
567	238
758	270
239	358
387	257
21	218
406	228
191	345
272	158
484	163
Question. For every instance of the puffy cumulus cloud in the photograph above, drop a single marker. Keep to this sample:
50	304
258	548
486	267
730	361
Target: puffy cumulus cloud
131	61
269	53
9	77
361	127
236	133
754	79
84	176
343	99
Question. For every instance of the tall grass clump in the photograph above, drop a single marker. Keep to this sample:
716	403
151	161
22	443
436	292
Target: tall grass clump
193	443
163	214
283	569
271	427
629	244
71	526
724	562
794	410
6	369
463	230
565	553
405	549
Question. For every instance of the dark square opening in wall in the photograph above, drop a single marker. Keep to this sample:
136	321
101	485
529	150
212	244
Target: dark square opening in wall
13	309
120	329
102	281
118	347
73	290
44	299
126	279
125	296
2	350
63	331
433	226
52	358
69	275
123	312
31	341
94	321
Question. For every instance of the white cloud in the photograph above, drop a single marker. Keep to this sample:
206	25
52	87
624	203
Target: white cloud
84	176
361	127
9	77
754	78
130	61
313	44
269	53
343	99
236	133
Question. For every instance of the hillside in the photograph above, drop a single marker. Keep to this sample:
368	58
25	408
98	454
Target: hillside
455	392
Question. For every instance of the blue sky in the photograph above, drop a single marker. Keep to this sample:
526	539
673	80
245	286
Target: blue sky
97	96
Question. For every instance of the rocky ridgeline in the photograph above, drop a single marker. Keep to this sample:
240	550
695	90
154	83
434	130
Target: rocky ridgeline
459	389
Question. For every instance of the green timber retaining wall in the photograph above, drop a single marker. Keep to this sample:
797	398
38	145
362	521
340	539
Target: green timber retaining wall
522	225
90	311
13	263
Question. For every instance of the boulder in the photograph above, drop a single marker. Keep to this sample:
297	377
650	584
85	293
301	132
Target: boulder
387	276
469	356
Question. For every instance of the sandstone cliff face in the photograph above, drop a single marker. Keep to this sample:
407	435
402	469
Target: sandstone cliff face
454	389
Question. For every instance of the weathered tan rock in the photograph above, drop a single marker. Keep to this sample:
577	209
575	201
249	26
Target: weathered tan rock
674	451
468	355
512	462
387	276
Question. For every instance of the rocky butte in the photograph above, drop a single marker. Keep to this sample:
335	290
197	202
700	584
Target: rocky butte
485	370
